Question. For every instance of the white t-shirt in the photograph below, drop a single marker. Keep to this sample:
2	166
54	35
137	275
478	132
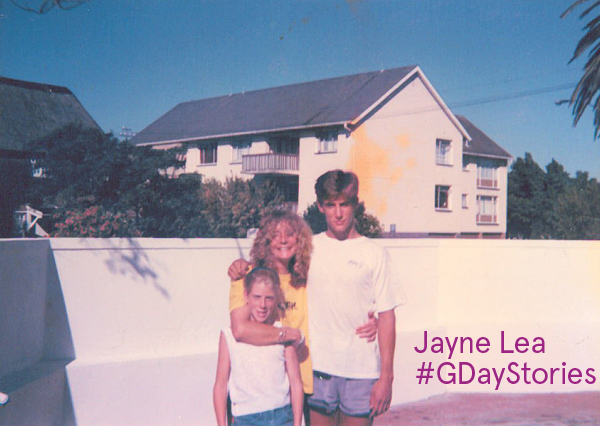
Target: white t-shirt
346	280
258	381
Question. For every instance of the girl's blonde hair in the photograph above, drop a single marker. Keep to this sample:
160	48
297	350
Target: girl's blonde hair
261	253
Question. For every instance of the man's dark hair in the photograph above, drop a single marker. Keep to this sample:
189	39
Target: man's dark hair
337	183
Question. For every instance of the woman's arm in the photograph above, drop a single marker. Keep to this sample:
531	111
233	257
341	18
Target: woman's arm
255	333
220	387
296	390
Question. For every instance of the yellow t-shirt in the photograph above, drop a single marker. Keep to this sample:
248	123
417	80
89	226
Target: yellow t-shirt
296	316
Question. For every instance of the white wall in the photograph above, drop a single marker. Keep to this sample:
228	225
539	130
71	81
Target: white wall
144	315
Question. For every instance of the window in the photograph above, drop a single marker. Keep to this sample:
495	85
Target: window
487	174
285	145
208	154
37	171
487	209
442	197
442	152
240	149
327	141
465	201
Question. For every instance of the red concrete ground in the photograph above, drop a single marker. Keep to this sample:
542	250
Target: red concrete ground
567	409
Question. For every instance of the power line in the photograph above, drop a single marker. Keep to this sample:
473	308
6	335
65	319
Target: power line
517	95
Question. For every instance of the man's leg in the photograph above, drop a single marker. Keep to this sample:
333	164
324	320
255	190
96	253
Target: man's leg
355	421
323	403
318	419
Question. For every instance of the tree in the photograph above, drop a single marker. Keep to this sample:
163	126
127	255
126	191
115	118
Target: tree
578	209
100	187
86	169
586	91
525	198
556	181
552	205
366	224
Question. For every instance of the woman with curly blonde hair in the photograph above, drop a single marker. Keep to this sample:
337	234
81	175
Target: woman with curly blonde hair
266	252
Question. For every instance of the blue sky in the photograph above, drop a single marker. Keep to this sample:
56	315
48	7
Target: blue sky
502	64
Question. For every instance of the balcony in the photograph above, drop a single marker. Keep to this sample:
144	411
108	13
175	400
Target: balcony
270	163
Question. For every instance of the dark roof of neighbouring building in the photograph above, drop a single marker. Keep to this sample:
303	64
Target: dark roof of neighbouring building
317	103
30	111
480	144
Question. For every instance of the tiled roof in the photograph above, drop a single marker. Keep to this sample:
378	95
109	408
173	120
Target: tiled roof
29	111
323	102
480	144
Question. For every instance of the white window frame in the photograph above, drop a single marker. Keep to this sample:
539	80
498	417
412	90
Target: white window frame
239	150
439	190
443	152
487	174
36	170
203	151
327	142
487	209
465	201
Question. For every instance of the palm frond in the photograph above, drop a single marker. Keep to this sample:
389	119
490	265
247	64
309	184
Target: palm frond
588	87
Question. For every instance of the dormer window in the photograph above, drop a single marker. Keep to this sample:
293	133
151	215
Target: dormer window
327	141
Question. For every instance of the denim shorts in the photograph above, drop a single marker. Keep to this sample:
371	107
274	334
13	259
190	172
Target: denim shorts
279	417
351	396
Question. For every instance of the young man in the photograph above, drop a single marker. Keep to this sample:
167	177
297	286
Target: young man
349	275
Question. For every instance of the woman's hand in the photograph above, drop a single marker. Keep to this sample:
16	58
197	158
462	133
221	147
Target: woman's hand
369	329
238	269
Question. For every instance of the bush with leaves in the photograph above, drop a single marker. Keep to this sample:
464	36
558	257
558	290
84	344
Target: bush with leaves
233	207
366	224
95	222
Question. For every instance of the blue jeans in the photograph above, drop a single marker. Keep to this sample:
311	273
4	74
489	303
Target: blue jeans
279	417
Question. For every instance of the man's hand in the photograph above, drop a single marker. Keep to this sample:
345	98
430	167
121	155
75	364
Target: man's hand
369	329
238	269
381	397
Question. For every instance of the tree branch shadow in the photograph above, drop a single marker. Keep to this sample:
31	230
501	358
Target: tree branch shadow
129	259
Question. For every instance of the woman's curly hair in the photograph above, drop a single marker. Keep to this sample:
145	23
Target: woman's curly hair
261	254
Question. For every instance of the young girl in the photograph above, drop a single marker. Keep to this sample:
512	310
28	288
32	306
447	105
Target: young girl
264	381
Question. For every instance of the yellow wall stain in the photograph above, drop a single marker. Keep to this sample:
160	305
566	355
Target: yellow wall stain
373	164
403	141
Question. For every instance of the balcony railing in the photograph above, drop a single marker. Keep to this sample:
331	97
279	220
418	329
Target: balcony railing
268	163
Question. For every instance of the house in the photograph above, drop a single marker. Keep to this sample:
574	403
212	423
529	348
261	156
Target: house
423	170
29	111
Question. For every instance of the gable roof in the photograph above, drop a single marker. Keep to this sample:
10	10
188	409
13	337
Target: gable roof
480	144
334	101
29	111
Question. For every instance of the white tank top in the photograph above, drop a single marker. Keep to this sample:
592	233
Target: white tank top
258	380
